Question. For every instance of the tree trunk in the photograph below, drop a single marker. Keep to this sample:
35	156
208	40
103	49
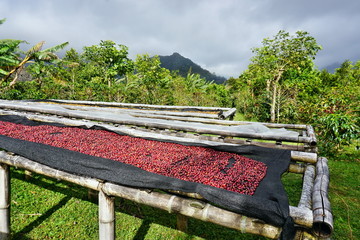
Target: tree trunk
273	103
274	96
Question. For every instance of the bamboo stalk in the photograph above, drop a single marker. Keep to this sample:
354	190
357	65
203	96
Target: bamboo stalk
311	134
296	168
302	216
106	217
323	219
228	114
308	183
307	157
4	202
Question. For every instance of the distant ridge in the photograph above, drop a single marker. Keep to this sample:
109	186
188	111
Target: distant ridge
176	62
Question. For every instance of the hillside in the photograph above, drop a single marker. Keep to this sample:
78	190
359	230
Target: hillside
183	65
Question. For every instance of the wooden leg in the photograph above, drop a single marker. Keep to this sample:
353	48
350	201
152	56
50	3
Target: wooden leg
93	195
28	175
106	217
4	202
181	222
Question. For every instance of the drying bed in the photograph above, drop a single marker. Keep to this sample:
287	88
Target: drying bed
229	171
255	192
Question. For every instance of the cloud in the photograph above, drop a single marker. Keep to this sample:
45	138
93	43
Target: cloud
218	35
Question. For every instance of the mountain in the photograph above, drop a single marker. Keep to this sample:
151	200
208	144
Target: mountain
331	68
183	65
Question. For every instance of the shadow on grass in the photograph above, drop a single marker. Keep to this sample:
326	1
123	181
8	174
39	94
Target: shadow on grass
39	220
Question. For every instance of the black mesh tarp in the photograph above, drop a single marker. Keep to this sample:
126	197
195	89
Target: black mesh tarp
269	203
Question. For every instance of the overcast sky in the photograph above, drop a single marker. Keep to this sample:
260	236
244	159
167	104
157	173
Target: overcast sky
216	34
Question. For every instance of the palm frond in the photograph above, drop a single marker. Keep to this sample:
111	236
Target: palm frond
46	56
56	48
3	72
35	48
8	61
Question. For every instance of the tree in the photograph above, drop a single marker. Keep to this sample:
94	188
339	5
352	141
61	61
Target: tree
278	55
38	57
9	54
152	79
110	60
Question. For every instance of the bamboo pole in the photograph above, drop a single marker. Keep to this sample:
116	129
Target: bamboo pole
106	217
311	133
302	216
308	183
297	168
323	219
4	202
228	114
307	157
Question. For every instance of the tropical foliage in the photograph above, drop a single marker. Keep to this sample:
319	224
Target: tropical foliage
281	84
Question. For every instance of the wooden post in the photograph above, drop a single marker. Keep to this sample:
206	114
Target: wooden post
181	222
4	202
28	175
93	195
106	217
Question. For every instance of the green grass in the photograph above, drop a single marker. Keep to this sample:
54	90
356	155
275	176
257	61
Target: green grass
44	208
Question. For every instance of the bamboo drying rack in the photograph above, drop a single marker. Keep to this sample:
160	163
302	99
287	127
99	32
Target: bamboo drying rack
312	216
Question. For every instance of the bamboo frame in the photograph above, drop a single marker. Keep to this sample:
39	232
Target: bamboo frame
313	212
